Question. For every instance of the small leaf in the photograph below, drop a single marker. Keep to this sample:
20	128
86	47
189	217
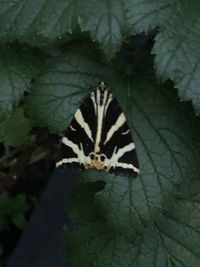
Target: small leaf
12	209
58	92
18	210
17	68
14	131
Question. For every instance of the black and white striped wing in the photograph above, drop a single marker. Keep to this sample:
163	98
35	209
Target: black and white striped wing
99	136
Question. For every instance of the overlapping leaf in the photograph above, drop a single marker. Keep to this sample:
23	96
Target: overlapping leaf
45	21
177	45
177	54
146	15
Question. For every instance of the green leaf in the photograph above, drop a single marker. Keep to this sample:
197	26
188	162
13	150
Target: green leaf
177	45
179	231
164	131
177	53
168	242
171	240
97	245
35	22
148	14
14	131
186	207
59	91
93	235
19	206
42	22
106	22
17	68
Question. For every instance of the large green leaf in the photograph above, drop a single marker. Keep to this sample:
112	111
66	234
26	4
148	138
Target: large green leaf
171	240
164	132
177	45
58	92
17	68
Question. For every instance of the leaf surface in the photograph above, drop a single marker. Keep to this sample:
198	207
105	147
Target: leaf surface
164	134
171	240
17	68
13	210
106	22
177	53
42	22
177	45
14	131
35	21
59	91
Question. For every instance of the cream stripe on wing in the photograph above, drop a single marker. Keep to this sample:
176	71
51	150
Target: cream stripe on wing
71	127
127	166
126	132
116	155
119	122
108	103
100	115
92	96
81	158
65	160
75	148
79	118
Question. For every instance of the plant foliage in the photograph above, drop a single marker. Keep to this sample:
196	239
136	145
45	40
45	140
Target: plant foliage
52	53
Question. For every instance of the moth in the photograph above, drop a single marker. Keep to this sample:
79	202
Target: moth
99	137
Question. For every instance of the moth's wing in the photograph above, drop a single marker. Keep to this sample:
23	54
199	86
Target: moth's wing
117	142
78	140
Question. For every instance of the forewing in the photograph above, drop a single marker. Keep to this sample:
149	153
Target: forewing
78	140
117	142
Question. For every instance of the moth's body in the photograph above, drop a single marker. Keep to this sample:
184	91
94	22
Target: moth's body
99	137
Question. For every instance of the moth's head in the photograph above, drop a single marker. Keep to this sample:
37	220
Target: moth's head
97	161
102	86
